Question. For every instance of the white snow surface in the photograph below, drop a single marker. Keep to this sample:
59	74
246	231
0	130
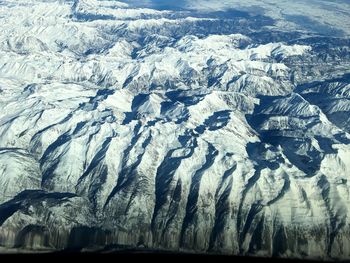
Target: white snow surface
123	123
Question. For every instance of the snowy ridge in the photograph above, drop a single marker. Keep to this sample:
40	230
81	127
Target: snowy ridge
174	130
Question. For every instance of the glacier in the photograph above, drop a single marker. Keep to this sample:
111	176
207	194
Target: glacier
206	128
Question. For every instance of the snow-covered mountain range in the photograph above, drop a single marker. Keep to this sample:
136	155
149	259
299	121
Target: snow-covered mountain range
193	128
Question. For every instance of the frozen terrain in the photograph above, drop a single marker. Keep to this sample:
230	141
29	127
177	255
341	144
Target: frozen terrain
205	126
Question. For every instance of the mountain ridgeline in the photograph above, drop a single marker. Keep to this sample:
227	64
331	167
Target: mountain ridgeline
179	130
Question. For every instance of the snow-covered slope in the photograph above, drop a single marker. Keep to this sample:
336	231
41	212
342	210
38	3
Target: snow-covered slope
176	130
